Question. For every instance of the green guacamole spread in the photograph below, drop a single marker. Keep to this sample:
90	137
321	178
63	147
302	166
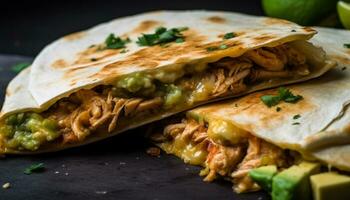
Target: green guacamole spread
28	131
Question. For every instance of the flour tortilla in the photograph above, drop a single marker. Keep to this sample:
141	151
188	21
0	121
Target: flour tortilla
65	66
323	131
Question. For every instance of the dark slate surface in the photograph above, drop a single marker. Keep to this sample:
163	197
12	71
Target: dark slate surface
117	168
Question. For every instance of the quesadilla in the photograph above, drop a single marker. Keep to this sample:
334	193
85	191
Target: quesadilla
232	137
131	71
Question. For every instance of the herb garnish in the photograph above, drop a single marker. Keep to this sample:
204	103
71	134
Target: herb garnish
229	35
162	35
296	123
278	109
20	66
113	42
296	116
284	94
34	168
347	45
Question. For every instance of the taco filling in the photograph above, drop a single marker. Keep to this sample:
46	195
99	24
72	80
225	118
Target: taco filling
221	148
134	97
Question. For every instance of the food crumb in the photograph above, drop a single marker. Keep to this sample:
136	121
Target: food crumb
122	163
153	151
101	192
137	158
57	172
66	174
6	185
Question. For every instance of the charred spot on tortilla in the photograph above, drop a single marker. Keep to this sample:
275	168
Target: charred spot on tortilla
274	21
145	26
59	64
217	19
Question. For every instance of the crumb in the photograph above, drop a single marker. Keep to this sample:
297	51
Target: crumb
122	163
57	172
6	185
153	151
63	166
137	158
101	192
66	173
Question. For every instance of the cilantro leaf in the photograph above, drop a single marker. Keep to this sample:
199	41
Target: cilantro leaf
270	100
20	66
347	45
34	168
284	94
161	36
229	35
113	42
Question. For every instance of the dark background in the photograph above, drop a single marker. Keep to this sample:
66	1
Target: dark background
27	26
117	168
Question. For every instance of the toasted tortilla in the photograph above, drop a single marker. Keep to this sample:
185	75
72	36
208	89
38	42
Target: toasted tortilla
322	131
74	62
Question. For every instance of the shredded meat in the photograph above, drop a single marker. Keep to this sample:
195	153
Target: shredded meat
232	161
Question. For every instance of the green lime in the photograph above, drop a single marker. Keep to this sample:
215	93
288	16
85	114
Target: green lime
304	12
344	13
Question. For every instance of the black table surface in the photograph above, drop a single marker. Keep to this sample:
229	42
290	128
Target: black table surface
117	168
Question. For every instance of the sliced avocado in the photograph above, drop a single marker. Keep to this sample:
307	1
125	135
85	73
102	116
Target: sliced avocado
330	185
293	183
263	176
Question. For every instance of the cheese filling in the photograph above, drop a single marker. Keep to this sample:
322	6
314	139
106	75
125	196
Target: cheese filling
223	149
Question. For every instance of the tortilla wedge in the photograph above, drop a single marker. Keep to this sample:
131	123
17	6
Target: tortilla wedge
128	72
232	137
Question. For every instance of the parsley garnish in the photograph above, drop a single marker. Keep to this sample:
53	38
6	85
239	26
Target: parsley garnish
162	35
229	35
34	168
293	30
20	66
223	46
284	94
296	116
347	45
212	48
113	42
296	123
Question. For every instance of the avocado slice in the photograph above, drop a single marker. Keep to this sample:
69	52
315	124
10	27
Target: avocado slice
263	176
330	185
293	183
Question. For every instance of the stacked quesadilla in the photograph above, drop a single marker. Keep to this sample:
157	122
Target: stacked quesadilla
131	71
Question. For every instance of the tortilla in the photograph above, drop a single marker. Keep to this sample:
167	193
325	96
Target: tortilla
79	89
232	137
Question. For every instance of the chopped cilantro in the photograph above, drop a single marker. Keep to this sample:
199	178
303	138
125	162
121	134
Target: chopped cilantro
93	59
229	35
284	94
293	30
347	45
296	123
278	109
270	100
344	68
113	42
223	46
162	35
34	168
20	66
296	116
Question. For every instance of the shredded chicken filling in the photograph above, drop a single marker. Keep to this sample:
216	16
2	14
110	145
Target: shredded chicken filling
188	139
102	108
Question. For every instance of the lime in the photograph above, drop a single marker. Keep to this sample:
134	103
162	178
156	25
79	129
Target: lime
344	13
304	12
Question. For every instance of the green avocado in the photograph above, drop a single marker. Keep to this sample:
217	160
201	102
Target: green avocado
263	176
330	185
293	183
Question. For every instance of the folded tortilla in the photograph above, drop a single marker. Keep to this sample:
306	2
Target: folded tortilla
234	136
97	83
